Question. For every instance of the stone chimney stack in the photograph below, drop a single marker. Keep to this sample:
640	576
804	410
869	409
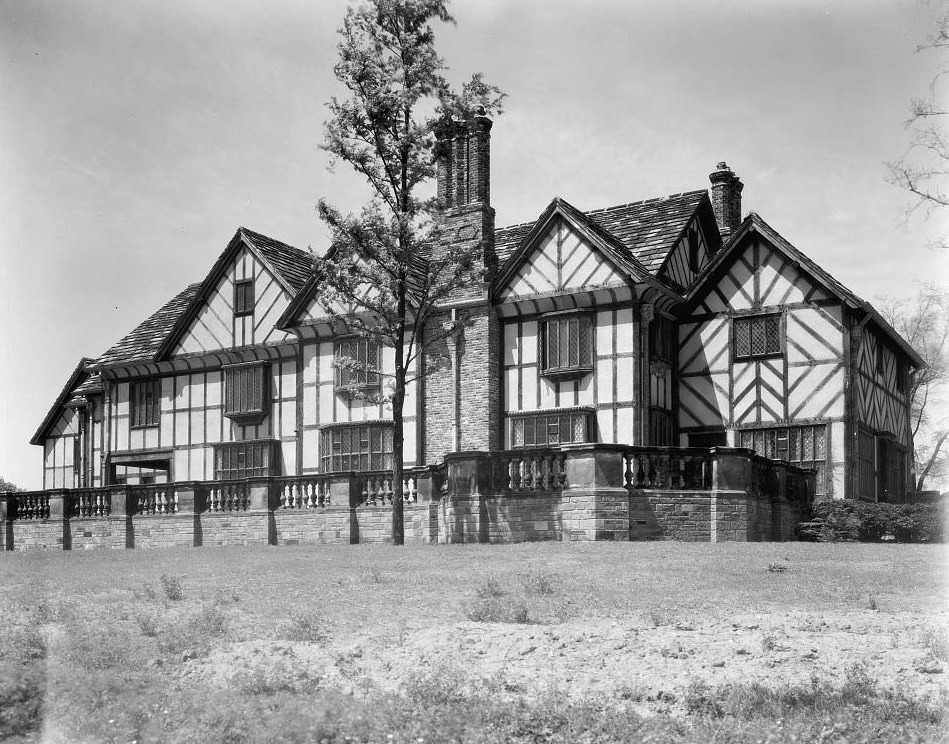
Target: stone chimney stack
726	199
461	397
463	154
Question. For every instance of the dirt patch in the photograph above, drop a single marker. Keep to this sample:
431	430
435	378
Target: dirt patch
649	661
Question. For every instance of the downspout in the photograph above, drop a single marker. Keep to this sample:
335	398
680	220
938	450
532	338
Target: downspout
456	418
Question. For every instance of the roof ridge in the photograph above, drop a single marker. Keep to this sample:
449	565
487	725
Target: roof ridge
647	201
255	233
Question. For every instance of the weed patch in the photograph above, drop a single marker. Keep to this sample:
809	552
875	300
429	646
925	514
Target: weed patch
307	626
171	586
503	609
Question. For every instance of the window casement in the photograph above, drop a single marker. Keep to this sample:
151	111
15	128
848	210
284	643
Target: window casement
566	345
255	458
356	447
901	376
881	366
757	336
551	427
357	363
804	446
145	402
244	297
245	392
693	247
660	427
662	339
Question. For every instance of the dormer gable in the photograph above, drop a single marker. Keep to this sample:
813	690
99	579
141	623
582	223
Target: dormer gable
243	296
758	269
563	253
698	241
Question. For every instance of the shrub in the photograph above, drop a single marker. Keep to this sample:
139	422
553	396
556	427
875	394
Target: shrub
498	610
171	586
536	583
304	625
843	520
490	587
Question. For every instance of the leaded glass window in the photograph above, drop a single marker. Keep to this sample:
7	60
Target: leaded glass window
567	345
549	428
757	336
357	364
356	447
804	446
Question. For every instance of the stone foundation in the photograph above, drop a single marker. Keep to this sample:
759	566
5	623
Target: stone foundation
580	492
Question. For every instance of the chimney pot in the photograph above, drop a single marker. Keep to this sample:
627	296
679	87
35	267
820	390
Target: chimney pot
726	198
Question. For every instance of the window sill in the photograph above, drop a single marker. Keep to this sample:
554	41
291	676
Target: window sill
566	373
135	427
246	418
759	357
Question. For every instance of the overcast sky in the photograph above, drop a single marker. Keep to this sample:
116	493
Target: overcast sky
136	136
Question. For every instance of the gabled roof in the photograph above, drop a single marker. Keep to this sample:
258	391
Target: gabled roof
612	247
79	374
648	230
754	224
290	266
143	343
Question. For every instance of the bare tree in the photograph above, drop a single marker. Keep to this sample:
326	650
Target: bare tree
924	322
924	168
389	267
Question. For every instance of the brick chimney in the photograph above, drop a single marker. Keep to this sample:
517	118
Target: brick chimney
461	410
726	199
463	154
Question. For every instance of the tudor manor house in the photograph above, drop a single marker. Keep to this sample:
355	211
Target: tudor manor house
664	368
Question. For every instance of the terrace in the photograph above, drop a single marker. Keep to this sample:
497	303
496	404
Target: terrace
572	492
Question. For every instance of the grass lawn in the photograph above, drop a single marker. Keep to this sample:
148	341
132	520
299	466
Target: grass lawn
530	642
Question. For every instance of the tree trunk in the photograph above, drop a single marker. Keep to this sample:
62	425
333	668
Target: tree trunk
398	523
398	398
932	460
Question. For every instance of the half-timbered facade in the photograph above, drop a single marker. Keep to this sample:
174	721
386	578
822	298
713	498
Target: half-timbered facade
668	322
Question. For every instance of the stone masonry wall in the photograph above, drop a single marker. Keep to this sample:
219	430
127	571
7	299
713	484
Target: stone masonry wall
95	533
164	531
312	526
670	515
37	534
234	528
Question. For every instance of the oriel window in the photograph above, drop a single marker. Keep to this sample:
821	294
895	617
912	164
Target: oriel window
567	345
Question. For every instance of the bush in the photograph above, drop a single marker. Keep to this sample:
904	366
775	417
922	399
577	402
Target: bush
842	520
303	625
498	610
171	585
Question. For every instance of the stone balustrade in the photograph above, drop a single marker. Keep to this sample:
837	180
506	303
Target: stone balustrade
585	491
87	503
305	492
227	496
157	498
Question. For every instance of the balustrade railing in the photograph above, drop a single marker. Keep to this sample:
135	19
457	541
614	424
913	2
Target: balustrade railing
667	468
32	505
304	492
375	488
158	498
90	502
227	497
528	471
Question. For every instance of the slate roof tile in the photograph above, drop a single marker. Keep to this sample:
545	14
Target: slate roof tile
144	341
293	264
648	229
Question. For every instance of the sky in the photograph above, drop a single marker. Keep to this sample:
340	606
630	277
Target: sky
135	137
